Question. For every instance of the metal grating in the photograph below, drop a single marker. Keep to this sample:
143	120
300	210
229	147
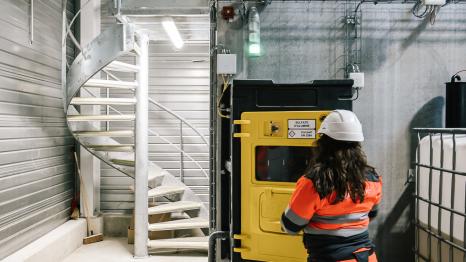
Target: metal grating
440	195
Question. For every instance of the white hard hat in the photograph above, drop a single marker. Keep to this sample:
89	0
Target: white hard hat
342	125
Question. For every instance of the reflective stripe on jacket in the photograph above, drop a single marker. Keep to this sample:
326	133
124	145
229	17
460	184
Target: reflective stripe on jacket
343	220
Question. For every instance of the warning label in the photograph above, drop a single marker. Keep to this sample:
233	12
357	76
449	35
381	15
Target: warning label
302	128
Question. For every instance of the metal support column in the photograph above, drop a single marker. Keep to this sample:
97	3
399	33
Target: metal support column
90	165
142	150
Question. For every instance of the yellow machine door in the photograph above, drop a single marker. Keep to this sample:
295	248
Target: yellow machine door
276	148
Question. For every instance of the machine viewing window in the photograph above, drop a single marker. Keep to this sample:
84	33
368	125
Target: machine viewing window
281	163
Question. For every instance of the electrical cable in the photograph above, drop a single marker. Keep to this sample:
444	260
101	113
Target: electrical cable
430	11
226	85
433	14
456	76
416	8
357	7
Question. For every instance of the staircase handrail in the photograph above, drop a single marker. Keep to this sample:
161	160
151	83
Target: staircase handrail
182	119
152	132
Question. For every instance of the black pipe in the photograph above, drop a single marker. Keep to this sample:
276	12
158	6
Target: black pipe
213	133
212	242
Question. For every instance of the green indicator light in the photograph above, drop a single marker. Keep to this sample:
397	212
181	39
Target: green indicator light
254	49
254	28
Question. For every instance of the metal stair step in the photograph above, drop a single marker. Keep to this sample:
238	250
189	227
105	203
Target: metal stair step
201	243
162	191
119	133
165	191
122	162
102	83
155	179
179	206
188	223
102	101
101	118
121	67
113	148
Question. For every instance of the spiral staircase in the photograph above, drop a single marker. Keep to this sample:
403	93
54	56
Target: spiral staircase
166	194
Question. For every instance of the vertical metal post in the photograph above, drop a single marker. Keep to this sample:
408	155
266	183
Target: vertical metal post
213	190
63	54
464	227
440	200
142	150
90	165
416	212
429	205
181	152
452	198
107	108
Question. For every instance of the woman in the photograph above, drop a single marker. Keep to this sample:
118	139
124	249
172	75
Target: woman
338	195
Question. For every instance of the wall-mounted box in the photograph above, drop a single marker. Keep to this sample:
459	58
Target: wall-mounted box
226	64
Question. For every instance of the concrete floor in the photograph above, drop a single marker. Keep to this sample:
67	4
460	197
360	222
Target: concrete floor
117	250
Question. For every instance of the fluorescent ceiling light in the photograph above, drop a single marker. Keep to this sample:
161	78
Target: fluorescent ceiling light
172	32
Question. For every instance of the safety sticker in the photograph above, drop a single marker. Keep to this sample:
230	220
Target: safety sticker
301	128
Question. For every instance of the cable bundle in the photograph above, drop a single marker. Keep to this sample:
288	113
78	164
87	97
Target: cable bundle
430	11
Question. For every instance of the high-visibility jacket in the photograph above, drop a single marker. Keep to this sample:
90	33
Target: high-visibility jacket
333	232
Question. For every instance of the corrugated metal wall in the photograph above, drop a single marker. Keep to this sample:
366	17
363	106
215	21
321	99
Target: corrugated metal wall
36	169
180	81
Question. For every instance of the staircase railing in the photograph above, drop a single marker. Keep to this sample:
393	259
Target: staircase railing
101	55
182	120
155	133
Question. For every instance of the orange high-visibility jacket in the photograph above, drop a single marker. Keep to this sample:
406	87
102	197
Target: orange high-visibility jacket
334	226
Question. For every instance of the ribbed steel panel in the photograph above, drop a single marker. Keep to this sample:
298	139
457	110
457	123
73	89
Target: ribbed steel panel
180	81
36	167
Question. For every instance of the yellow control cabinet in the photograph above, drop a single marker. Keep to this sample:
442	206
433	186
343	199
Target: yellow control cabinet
276	148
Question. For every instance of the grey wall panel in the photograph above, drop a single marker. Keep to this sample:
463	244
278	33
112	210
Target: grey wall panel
406	63
180	81
36	165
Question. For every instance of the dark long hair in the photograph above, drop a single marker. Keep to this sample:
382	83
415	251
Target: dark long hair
339	167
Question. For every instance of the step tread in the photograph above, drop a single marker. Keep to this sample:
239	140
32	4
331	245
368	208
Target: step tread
122	67
102	83
161	191
180	224
180	243
165	191
155	177
178	206
122	162
102	101
116	133
110	145
101	117
113	148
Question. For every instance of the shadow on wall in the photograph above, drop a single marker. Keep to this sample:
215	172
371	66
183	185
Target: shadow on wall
395	237
431	116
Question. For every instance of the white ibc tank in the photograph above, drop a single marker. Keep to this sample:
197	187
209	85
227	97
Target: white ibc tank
459	184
